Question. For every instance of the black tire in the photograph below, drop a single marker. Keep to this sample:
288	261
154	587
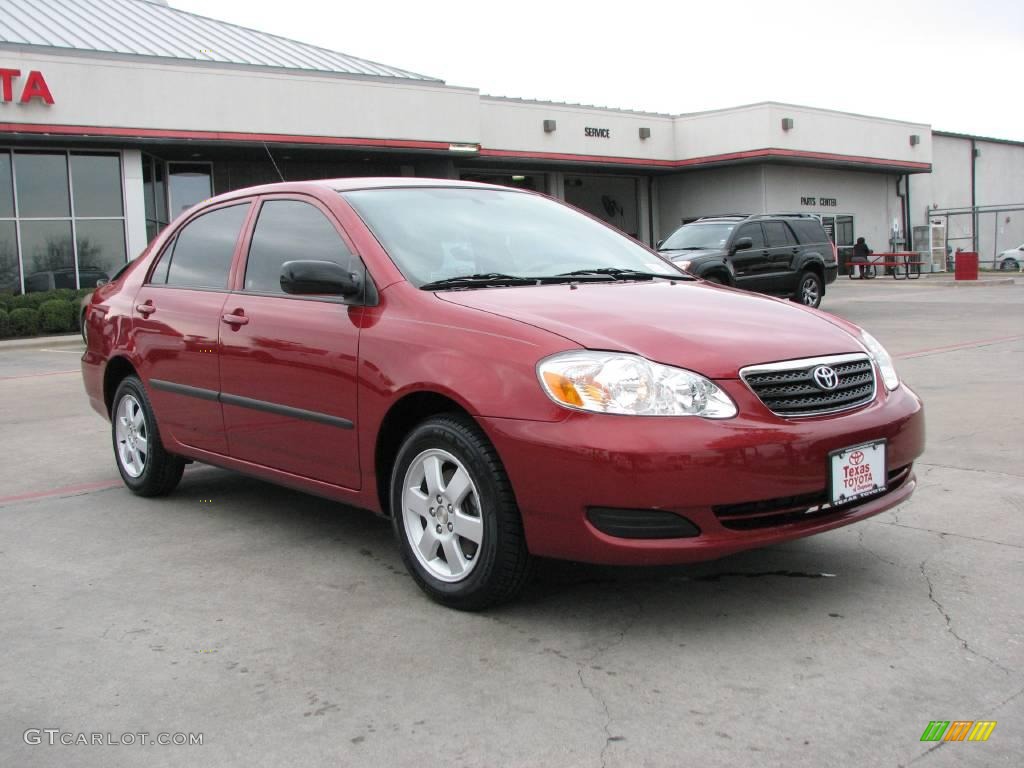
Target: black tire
1009	264
809	289
716	278
501	561
161	471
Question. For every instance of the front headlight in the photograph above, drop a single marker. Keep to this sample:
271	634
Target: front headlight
683	265
882	358
615	382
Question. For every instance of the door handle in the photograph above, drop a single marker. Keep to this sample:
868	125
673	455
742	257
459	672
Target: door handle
146	309
232	319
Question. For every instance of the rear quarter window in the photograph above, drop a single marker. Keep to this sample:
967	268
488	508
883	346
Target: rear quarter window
808	231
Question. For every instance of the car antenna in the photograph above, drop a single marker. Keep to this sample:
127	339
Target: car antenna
273	161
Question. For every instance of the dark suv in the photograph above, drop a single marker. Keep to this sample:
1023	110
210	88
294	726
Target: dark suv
780	254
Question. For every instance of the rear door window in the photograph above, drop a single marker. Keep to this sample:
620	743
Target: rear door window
778	234
753	231
287	230
201	254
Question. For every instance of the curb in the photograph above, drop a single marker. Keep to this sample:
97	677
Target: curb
39	342
978	283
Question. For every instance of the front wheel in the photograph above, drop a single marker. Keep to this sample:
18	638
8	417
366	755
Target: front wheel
455	516
1009	264
146	468
809	290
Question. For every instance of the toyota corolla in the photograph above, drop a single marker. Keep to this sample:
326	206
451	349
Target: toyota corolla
501	375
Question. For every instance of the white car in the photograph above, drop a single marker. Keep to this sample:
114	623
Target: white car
1011	259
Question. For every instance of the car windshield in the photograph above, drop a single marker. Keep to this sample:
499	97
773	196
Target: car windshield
698	236
439	233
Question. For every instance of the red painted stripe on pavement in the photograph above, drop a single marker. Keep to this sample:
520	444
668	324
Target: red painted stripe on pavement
955	347
37	375
70	490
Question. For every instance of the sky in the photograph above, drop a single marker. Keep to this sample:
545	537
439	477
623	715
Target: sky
958	66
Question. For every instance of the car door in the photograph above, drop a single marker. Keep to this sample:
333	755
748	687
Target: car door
176	322
780	276
752	263
288	363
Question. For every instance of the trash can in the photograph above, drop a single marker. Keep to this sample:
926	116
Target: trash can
966	267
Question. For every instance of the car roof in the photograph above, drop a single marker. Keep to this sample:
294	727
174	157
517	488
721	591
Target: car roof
349	184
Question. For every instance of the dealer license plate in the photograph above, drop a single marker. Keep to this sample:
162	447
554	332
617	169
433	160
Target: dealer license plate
857	471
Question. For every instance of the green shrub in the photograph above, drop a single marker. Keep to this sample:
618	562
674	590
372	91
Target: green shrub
24	321
56	316
67	294
5	324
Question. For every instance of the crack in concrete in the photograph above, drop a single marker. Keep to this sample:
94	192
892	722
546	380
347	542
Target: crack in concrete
869	550
968	469
949	623
947	533
595	694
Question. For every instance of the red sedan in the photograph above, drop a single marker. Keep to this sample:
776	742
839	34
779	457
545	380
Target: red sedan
501	375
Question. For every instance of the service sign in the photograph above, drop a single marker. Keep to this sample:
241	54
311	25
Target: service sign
857	471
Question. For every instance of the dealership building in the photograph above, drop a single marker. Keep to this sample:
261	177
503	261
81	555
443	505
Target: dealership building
117	115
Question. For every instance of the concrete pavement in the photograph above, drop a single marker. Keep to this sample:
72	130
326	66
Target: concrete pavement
284	629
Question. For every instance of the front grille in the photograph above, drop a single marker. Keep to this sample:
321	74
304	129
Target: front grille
789	388
769	513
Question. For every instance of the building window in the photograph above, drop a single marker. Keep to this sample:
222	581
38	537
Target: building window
61	219
839	229
154	189
190	184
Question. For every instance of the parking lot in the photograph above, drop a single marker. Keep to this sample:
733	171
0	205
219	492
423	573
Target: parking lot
284	629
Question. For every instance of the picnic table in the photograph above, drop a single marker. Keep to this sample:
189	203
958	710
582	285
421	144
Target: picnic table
905	265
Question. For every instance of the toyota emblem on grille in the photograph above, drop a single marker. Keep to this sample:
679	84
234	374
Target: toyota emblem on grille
825	377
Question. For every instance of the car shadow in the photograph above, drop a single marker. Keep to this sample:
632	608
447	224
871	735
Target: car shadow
823	575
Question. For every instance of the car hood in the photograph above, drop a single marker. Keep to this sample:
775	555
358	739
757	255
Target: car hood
676	255
712	330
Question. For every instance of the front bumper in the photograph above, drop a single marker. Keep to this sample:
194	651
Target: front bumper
691	466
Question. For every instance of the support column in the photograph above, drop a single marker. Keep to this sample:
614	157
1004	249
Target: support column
134	202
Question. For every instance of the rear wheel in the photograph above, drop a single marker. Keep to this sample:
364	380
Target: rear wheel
455	516
146	468
809	290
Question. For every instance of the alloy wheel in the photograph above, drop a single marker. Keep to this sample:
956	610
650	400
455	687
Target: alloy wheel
809	291
132	435
441	507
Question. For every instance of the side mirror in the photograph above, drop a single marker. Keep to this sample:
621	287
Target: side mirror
318	278
743	244
660	243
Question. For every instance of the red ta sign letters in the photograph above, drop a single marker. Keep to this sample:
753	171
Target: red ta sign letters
35	86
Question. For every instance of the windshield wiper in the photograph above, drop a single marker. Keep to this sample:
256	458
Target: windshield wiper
484	279
625	274
687	248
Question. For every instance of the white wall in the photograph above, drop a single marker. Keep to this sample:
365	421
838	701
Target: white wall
999	180
507	124
95	91
869	197
759	126
689	194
